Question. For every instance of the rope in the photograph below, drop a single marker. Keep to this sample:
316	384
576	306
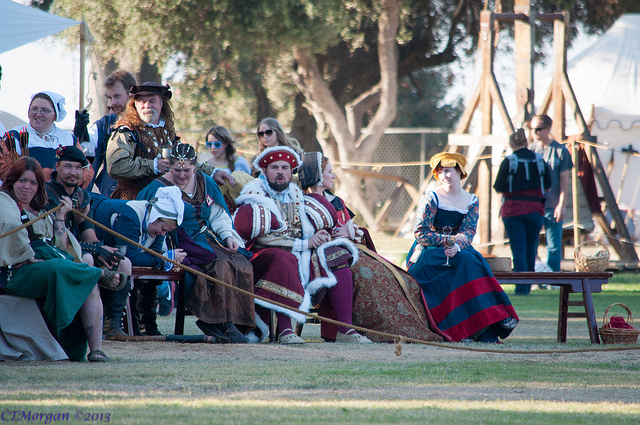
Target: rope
30	222
398	339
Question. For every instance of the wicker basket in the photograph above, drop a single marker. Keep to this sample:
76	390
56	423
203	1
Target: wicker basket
597	262
611	335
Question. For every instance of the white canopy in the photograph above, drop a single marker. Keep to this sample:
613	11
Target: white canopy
606	80
21	24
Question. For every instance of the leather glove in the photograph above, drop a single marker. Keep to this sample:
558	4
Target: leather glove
80	128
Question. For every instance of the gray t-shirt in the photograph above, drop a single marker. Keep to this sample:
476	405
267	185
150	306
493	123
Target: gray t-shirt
559	160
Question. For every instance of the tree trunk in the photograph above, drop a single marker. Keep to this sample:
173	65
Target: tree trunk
304	126
339	130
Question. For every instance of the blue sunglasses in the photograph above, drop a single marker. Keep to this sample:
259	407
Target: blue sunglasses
217	144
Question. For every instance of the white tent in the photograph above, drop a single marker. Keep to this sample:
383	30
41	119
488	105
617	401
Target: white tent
606	80
21	24
37	66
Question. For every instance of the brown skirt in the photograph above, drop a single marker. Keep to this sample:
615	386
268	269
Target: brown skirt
388	299
214	303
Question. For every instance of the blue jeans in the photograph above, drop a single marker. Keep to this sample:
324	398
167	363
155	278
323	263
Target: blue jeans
554	240
523	232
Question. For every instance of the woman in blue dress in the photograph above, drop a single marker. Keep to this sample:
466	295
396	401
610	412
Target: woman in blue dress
212	246
465	299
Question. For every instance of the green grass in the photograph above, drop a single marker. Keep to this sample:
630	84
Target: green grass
326	384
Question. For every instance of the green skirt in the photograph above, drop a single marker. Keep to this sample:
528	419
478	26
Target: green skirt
62	287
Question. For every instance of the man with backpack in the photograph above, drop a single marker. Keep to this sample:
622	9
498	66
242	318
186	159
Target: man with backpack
559	160
523	178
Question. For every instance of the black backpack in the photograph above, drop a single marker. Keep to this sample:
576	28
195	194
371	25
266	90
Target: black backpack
527	183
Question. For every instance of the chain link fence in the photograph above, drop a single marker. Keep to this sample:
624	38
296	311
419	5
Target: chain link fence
398	145
404	145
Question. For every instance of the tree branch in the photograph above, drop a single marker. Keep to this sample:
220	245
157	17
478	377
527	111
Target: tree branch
361	105
388	58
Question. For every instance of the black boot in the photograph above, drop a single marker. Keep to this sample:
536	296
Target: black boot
148	307
213	330
234	335
114	303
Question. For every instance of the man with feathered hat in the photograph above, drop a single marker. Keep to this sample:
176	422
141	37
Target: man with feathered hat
295	261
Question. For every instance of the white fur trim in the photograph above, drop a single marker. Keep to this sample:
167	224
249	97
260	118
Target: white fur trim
268	151
330	281
263	328
300	318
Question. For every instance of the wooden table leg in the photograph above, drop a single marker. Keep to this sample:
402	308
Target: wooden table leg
562	313
590	311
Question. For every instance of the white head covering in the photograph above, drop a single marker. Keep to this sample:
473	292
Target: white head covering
58	103
167	204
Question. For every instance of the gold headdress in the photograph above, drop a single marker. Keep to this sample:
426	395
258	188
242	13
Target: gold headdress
448	159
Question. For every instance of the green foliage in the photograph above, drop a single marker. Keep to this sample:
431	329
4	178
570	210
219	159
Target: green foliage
420	97
232	53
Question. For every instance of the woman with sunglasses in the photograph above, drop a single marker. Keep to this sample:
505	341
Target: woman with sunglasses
270	133
223	151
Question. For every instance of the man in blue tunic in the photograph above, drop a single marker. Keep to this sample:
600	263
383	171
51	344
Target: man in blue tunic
64	182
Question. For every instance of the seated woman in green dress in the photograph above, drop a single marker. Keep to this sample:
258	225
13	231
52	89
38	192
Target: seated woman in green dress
42	261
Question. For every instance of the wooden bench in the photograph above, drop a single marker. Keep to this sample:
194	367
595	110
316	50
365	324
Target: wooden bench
569	283
158	276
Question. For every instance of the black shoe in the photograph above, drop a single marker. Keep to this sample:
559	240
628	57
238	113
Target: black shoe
234	335
509	323
150	329
214	331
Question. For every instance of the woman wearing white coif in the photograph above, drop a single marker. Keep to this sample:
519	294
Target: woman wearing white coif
44	137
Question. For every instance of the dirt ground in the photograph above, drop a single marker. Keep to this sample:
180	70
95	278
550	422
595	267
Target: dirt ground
384	353
394	249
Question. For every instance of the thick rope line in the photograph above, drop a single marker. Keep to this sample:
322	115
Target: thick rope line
398	339
30	222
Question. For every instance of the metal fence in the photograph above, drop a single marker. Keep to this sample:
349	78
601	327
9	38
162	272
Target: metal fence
398	145
405	145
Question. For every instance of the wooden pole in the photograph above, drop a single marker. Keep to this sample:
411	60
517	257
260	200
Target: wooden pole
524	33
559	73
483	188
83	41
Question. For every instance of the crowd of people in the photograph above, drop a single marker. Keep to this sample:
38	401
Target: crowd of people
254	226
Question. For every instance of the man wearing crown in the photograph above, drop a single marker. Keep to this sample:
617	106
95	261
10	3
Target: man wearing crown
295	262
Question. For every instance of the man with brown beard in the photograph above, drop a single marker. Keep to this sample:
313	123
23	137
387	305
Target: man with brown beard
134	153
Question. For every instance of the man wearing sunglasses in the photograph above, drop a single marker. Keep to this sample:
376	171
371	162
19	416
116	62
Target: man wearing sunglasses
559	160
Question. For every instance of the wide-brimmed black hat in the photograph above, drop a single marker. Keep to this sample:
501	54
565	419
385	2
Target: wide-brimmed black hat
152	88
71	153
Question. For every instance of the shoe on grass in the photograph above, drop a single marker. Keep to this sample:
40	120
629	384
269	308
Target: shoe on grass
290	337
352	337
213	330
234	335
